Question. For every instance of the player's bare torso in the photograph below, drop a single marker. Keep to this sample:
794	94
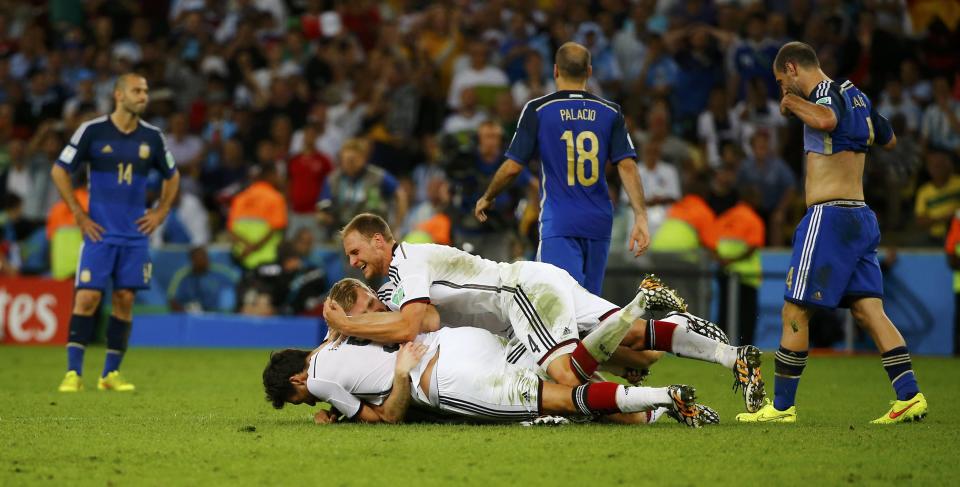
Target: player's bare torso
834	177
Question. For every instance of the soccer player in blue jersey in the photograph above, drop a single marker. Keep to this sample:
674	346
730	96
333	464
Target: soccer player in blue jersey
834	260
574	133
119	150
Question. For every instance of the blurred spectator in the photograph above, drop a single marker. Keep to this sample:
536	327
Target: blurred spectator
722	193
485	79
891	177
65	236
716	126
628	43
737	235
777	183
187	223
941	119
758	113
535	83
468	116
229	176
201	286
699	56
306	174
429	169
428	221
920	90
358	187
673	149
257	219
661	184
470	174
291	286
10	260
893	103
188	151
752	58
689	222
939	198
659	70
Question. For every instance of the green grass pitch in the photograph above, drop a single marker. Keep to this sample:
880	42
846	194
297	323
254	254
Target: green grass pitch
199	418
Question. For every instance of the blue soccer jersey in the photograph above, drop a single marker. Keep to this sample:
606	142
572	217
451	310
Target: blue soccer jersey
119	166
574	133
858	125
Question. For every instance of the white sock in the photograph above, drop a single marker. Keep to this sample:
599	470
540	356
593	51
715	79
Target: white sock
636	399
687	343
606	337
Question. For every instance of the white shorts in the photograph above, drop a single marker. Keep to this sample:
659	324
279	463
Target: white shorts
472	378
547	310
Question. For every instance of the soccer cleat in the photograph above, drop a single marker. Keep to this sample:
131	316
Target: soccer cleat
769	414
113	382
685	404
708	415
71	382
913	409
746	377
659	296
702	326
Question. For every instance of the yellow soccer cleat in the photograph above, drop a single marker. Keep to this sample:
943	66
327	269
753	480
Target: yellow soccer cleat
769	414
71	382
913	409
113	382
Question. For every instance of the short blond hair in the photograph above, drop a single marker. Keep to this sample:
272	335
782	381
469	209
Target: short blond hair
344	292
368	225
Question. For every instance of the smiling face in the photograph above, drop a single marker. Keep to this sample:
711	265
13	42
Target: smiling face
370	255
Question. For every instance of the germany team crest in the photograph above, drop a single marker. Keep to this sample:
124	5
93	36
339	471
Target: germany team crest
144	150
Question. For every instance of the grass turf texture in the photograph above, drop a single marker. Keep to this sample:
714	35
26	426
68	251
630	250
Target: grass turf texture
198	417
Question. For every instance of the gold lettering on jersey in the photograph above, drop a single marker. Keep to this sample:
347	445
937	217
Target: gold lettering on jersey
581	114
858	102
144	151
107	149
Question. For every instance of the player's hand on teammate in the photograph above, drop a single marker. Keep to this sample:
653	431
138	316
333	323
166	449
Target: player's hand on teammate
408	357
150	220
324	417
334	314
90	228
483	204
639	237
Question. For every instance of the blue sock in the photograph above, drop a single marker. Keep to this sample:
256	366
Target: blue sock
788	368
118	334
900	370
81	330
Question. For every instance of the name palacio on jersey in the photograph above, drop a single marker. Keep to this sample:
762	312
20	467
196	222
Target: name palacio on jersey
580	114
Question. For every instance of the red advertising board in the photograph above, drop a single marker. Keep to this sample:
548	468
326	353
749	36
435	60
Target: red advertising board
35	311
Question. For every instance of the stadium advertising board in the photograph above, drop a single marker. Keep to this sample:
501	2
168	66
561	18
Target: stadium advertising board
34	311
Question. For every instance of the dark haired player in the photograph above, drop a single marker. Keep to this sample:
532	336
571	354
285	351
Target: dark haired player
574	134
120	150
834	260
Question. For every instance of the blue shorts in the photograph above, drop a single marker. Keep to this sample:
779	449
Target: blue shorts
834	259
584	258
128	266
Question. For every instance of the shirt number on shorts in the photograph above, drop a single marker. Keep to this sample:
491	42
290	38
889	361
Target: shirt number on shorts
576	164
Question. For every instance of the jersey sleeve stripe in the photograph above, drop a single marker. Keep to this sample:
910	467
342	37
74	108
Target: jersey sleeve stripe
425	300
75	139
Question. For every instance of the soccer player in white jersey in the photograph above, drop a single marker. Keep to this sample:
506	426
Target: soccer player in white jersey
460	371
537	305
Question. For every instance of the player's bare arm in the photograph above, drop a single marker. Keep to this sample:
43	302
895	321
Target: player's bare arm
503	178
90	228
811	114
382	327
155	216
630	177
394	408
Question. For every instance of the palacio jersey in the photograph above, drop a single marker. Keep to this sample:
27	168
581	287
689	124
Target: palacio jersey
574	134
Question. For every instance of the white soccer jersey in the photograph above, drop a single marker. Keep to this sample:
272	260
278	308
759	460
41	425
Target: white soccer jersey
357	370
464	288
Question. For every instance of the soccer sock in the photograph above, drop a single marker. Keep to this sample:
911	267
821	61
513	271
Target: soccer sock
672	334
788	368
118	334
900	370
81	329
609	398
584	365
606	337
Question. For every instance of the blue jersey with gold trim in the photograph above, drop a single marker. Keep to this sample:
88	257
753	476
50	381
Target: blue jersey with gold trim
119	164
575	134
858	125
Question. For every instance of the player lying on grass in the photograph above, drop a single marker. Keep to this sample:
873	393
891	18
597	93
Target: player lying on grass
459	371
539	307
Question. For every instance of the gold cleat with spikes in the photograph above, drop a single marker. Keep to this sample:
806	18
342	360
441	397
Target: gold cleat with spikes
659	296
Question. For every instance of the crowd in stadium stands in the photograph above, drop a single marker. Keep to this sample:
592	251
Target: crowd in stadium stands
290	114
